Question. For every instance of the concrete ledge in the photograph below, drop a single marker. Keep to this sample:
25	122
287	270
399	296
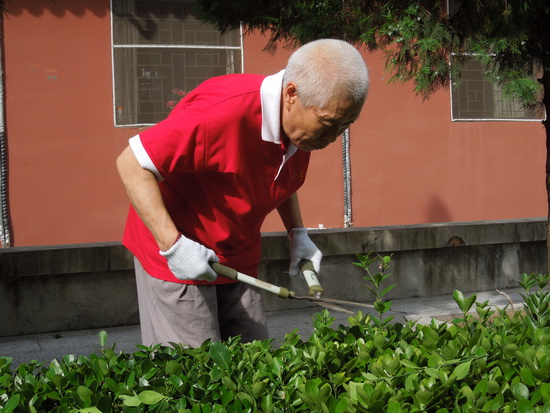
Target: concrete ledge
61	288
64	259
419	237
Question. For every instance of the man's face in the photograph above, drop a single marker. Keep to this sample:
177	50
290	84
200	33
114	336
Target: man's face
315	128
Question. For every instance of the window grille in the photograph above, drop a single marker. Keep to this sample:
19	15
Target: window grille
159	46
474	98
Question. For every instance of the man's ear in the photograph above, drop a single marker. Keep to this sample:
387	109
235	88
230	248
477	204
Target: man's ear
290	94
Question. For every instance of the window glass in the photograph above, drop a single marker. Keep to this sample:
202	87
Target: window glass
161	51
475	98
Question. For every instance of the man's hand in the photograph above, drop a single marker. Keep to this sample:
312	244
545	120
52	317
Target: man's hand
189	260
302	248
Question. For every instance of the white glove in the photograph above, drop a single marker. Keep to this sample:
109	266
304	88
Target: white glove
189	260
302	248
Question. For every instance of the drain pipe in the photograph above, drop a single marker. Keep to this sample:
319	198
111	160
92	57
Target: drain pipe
4	213
348	221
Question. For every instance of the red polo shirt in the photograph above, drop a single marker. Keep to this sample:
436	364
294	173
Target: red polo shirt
222	166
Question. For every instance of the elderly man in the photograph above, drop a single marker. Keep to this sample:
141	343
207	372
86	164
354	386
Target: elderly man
201	182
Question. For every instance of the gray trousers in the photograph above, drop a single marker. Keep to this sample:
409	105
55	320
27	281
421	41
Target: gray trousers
190	314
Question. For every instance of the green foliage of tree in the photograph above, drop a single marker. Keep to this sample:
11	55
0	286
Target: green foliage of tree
418	38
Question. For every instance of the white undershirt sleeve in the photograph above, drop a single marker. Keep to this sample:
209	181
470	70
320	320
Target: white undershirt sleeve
143	157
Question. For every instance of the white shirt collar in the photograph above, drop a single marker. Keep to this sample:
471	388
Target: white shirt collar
270	96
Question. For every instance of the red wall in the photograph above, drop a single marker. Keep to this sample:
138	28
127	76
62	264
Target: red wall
410	163
413	165
63	186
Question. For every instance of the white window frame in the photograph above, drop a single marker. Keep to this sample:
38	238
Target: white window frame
156	46
494	119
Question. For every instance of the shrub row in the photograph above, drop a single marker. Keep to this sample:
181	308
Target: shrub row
485	361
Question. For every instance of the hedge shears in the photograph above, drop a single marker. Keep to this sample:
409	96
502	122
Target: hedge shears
315	290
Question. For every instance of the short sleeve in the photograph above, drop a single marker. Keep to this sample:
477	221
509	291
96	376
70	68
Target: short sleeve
177	144
143	157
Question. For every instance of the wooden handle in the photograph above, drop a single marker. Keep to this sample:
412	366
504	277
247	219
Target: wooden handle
315	289
225	271
233	274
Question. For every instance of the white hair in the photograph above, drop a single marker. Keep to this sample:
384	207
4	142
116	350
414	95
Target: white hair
326	68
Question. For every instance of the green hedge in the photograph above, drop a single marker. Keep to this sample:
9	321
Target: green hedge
478	363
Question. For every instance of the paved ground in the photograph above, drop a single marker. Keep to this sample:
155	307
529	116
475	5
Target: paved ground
46	347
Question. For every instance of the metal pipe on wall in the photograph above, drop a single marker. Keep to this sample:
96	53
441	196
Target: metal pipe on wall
5	229
348	219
